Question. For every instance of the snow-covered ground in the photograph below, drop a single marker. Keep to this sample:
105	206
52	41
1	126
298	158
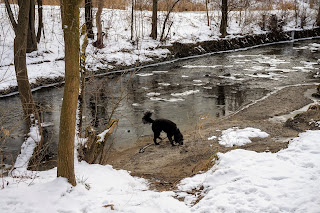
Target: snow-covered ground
187	27
240	181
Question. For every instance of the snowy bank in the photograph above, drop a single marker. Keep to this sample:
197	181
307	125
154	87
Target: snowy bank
246	181
241	181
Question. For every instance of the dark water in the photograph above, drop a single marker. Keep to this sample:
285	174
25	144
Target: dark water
185	92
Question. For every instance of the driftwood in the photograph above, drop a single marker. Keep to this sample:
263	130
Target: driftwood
95	150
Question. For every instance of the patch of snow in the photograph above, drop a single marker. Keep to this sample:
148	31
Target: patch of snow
212	138
201	66
166	100
189	92
102	135
153	94
27	149
239	137
144	74
164	84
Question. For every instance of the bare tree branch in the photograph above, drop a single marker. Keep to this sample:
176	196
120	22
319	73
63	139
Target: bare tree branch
166	19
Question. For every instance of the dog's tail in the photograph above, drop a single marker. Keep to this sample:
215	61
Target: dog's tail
147	117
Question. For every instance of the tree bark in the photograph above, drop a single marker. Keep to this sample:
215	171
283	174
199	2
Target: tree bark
20	64
224	18
154	19
32	38
99	42
88	18
70	23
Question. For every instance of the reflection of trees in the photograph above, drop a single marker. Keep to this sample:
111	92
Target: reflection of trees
221	99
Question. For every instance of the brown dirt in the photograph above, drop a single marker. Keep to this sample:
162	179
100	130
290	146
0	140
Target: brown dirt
164	166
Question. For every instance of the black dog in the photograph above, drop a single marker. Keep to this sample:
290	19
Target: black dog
165	125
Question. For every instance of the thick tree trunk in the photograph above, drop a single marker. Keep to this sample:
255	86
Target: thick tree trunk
88	17
99	42
154	19
224	18
32	38
70	23
20	45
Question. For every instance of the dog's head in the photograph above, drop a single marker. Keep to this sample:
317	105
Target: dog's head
178	137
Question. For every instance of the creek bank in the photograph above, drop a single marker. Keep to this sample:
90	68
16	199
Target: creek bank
164	166
184	51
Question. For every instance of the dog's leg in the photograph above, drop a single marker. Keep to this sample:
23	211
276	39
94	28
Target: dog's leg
170	139
156	135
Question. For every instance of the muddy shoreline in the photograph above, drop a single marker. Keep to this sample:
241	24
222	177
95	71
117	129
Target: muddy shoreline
183	51
164	166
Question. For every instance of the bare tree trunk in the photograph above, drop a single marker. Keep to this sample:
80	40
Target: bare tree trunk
154	19
32	38
83	74
20	64
318	17
224	18
40	21
70	23
207	11
132	16
20	46
99	42
10	14
88	17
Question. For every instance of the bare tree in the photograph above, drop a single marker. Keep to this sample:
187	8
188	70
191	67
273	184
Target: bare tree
20	46
224	18
154	19
88	18
318	17
40	21
132	15
32	37
70	23
99	42
163	37
207	12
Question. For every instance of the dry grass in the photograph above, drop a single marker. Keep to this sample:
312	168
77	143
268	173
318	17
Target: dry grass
164	5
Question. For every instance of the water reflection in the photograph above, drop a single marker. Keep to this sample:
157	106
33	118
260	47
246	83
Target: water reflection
183	91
